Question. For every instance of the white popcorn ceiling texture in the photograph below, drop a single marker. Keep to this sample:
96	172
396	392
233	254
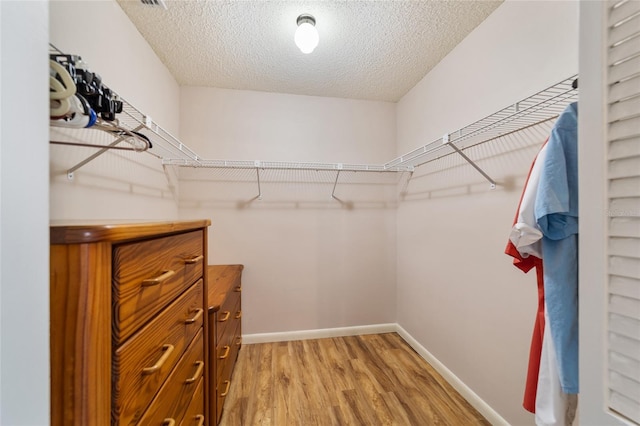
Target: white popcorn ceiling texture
375	50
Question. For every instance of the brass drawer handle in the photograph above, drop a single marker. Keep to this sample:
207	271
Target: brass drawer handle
159	279
195	318
200	419
158	365
193	260
238	289
238	315
226	314
168	422
200	365
226	352
239	341
226	391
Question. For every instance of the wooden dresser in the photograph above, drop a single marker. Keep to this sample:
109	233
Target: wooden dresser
129	324
225	315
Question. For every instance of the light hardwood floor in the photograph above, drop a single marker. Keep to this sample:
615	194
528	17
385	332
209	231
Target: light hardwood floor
375	379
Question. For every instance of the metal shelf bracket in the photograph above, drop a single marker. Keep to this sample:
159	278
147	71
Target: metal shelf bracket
259	196
446	141
101	151
333	193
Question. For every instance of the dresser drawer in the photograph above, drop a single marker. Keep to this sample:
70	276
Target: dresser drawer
195	413
229	313
223	354
236	343
223	385
142	364
147	275
227	350
177	394
225	317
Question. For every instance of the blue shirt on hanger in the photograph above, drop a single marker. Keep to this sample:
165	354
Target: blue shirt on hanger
556	212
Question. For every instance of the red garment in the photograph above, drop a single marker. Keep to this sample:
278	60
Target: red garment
535	351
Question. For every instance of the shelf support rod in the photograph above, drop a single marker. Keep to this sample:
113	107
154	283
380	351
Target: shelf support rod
257	163
100	152
405	186
333	193
447	141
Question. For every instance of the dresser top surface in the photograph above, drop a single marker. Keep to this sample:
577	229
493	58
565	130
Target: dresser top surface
221	279
117	231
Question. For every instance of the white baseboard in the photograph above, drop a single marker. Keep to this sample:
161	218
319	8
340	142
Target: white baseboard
318	333
478	403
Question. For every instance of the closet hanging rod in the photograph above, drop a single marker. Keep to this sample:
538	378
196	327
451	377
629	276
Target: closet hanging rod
90	145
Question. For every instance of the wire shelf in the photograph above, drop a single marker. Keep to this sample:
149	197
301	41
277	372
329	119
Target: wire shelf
282	165
162	143
541	107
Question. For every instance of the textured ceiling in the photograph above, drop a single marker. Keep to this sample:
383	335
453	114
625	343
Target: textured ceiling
375	50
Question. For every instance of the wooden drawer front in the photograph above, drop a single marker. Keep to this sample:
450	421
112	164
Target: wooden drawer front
221	393
227	314
161	342
174	398
149	274
222	390
228	338
223	354
236	343
224	368
226	365
195	413
236	321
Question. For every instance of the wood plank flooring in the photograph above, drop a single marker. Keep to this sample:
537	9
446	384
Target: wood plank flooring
375	379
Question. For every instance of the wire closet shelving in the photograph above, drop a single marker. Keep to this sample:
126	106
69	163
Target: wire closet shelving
538	108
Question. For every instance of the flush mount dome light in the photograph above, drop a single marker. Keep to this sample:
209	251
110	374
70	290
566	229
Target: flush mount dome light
306	37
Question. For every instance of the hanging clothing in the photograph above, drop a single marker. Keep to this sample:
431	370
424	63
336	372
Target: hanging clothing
553	406
542	234
556	212
524	249
525	235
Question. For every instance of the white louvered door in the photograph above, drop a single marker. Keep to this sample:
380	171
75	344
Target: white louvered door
623	111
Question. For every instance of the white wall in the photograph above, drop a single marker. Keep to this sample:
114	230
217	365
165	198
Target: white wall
458	293
311	262
117	185
24	221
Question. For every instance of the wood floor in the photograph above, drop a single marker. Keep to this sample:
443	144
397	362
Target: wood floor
372	379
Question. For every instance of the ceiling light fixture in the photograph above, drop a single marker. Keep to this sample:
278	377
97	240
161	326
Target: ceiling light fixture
306	37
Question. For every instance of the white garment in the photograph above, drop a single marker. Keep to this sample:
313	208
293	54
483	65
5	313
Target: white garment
553	407
525	234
